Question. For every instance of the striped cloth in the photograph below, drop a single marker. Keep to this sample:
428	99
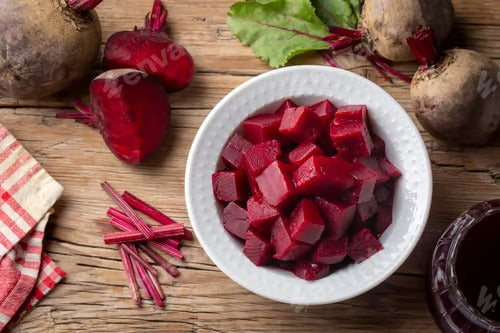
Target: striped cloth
27	193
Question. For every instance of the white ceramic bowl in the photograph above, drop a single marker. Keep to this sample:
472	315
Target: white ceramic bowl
307	85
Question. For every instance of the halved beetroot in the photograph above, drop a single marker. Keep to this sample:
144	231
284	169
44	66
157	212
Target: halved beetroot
261	214
310	271
306	224
235	220
383	221
330	251
388	167
287	104
366	210
302	153
325	111
364	184
258	157
230	186
285	248
257	248
363	245
262	128
231	155
338	216
374	165
301	124
321	175
276	185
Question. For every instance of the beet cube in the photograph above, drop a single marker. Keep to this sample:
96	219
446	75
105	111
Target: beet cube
363	245
338	216
323	175
306	224
257	248
364	184
384	194
310	271
262	128
374	165
230	186
231	154
256	158
325	111
351	140
261	214
301	124
366	210
378	146
285	248
388	167
352	114
235	220
302	153
384	220
276	185
287	104
326	144
330	251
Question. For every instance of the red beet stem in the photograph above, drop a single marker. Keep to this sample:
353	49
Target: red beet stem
136	236
329	59
424	46
83	5
158	294
157	19
140	272
82	114
139	259
132	282
353	33
151	211
167	249
138	222
384	65
159	260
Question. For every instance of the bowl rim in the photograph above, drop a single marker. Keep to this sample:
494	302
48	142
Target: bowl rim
207	121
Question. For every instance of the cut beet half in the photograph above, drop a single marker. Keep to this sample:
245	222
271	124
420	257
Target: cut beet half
325	110
276	185
257	248
338	216
230	186
301	124
232	153
303	152
258	157
235	220
310	271
261	214
287	104
262	128
306	224
330	251
363	245
285	248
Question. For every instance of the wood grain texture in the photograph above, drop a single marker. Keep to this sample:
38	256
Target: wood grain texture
94	296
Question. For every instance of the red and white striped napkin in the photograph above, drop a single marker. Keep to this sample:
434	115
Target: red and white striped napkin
27	194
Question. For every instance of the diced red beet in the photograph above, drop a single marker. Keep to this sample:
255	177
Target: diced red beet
353	114
310	271
325	111
261	214
378	146
262	128
388	167
287	104
235	220
338	216
257	248
363	245
252	183
374	165
276	185
351	140
230	186
257	157
384	220
301	124
285	248
383	194
366	210
231	155
364	184
321	175
330	251
326	144
306	224
302	153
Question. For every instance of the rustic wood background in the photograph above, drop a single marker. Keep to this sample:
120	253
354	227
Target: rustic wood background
94	296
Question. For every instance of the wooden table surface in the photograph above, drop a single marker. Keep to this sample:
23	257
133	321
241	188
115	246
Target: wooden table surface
94	296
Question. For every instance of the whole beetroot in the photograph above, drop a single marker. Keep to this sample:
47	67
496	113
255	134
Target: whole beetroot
152	51
453	94
46	45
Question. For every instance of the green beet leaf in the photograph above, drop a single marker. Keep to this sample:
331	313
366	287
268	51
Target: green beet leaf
341	13
277	30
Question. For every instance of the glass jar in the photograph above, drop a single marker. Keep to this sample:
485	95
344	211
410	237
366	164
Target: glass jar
464	286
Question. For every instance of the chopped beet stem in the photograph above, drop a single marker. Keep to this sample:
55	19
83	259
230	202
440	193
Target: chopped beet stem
136	236
138	222
83	5
380	70
139	273
167	249
151	211
136	257
424	46
82	114
328	58
129	274
344	42
157	19
353	33
159	260
383	64
158	295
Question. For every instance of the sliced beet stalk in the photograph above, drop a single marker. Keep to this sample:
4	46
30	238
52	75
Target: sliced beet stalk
310	271
257	248
287	104
235	220
262	128
303	152
363	245
261	214
276	184
301	124
338	216
306	224
383	220
231	155
258	157
325	110
330	251
364	184
285	248
230	186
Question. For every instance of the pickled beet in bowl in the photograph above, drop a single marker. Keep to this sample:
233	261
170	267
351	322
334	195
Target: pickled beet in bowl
306	85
